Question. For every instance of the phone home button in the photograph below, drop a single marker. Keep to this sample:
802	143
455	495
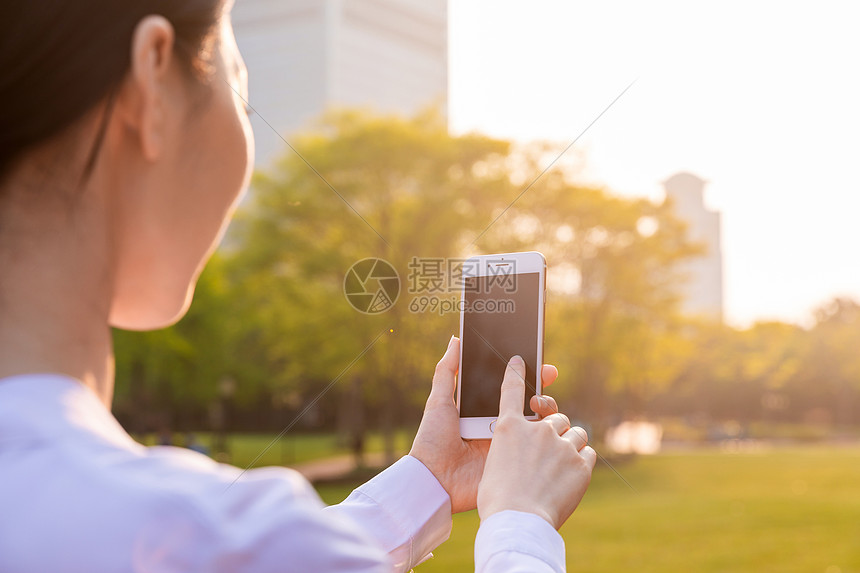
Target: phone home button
493	426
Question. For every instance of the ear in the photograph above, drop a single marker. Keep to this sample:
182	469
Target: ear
144	100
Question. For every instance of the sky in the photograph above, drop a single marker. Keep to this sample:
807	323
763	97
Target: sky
761	99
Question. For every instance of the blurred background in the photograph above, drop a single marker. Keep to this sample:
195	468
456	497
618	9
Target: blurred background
701	244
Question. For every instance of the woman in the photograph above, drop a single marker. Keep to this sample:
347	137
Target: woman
124	146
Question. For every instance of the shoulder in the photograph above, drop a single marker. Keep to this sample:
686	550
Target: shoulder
157	509
218	517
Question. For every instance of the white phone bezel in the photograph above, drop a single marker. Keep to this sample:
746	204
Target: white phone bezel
479	428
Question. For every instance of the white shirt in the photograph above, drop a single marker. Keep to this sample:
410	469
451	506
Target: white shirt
78	494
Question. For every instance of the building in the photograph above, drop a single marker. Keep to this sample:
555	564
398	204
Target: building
306	56
704	289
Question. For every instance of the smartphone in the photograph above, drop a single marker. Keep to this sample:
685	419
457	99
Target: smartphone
501	315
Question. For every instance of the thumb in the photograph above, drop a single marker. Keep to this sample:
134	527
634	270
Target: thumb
513	388
444	378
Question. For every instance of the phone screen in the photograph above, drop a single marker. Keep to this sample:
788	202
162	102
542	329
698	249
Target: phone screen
499	321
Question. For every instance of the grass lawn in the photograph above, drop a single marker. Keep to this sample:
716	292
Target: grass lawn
769	510
256	450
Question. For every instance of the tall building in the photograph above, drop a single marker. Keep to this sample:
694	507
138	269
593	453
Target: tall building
704	289
306	56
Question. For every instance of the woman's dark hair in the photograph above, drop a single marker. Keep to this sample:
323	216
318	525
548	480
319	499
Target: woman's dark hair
59	58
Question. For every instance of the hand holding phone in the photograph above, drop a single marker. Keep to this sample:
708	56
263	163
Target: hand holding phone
501	314
458	464
541	467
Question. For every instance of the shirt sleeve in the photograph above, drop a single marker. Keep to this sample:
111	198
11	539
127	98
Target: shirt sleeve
269	521
518	542
404	508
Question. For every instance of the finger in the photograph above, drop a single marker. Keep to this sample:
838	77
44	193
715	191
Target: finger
589	455
559	422
577	436
548	374
513	388
543	406
445	376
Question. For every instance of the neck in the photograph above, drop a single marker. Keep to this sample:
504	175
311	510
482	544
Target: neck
55	292
28	347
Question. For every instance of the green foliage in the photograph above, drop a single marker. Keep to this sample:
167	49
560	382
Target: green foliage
828	376
393	182
270	311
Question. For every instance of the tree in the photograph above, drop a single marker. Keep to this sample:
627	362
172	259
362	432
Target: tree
613	317
829	377
271	311
394	189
